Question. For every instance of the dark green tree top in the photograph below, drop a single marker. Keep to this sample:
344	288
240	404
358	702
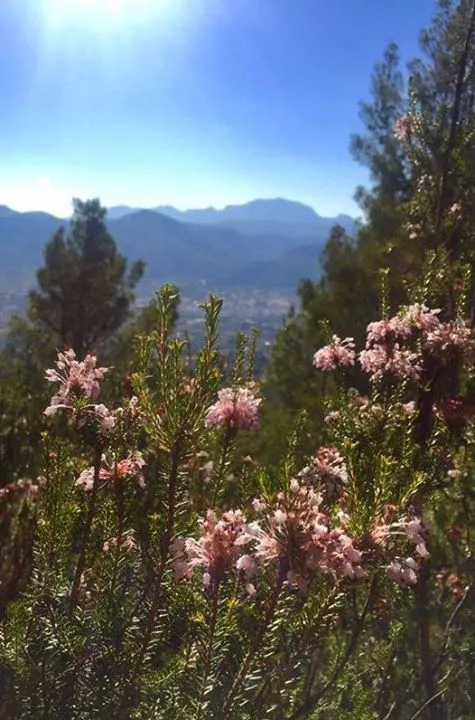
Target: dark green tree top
85	289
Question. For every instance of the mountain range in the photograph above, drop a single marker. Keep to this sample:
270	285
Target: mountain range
264	243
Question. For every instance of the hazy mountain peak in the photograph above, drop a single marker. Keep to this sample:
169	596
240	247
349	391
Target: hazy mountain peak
117	211
5	211
261	210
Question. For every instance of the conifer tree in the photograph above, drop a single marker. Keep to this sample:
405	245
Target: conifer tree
397	233
85	291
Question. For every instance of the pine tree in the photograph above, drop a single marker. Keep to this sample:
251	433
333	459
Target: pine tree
397	233
85	291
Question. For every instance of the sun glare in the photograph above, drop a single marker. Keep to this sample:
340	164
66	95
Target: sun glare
100	6
91	12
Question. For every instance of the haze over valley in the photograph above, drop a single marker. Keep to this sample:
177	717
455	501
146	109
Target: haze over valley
254	255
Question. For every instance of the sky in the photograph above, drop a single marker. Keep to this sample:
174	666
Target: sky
190	103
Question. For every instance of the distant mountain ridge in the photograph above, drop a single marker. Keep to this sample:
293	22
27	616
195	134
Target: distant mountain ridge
264	243
262	215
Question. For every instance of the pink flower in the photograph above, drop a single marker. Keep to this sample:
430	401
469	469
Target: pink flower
381	533
218	549
86	478
78	392
340	353
409	408
297	541
455	208
400	363
385	353
404	126
105	418
403	571
327	468
248	565
449	338
76	379
235	409
415	533
130	467
416	317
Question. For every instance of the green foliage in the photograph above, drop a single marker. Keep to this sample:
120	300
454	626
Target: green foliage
97	623
83	299
84	289
154	569
407	209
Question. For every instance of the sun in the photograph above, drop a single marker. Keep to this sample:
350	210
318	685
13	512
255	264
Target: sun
99	6
98	11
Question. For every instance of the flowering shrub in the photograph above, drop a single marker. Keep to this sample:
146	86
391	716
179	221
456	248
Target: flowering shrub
399	346
171	577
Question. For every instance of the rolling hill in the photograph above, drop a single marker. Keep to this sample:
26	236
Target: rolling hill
265	243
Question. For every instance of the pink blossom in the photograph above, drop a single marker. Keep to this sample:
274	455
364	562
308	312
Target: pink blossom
381	533
86	478
415	532
384	354
105	417
236	409
455	208
258	505
130	467
76	379
449	338
327	467
301	542
217	551
416	317
79	389
340	353
403	571
400	363
248	565
404	126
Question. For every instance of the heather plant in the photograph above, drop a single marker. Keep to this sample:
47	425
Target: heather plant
161	573
154	569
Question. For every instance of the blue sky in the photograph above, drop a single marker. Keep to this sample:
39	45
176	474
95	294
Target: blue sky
189	102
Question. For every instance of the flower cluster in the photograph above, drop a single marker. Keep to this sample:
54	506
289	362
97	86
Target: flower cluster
378	361
22	487
455	411
129	467
398	346
405	126
403	570
218	550
235	409
79	390
75	379
339	353
449	339
327	469
294	538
